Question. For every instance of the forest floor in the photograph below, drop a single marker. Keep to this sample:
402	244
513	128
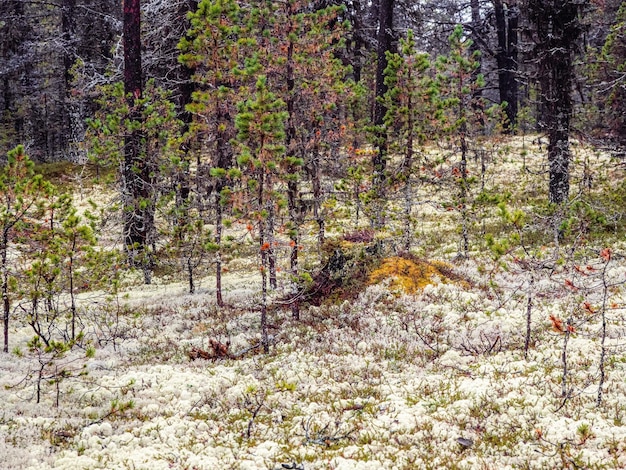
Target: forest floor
438	378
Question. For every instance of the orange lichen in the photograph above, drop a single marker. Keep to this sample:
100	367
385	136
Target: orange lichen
411	275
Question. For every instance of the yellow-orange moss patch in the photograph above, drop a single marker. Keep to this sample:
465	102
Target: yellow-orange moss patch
411	275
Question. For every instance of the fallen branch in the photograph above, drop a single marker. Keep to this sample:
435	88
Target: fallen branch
218	351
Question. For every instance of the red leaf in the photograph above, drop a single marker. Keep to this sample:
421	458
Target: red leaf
587	306
557	324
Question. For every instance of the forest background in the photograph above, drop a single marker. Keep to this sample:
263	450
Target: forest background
438	185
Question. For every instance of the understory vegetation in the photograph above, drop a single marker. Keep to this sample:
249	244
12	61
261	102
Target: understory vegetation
313	235
507	355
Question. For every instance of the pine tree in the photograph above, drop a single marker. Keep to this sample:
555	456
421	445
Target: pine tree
462	117
260	126
303	70
410	110
56	250
380	157
21	192
137	173
152	116
613	74
212	47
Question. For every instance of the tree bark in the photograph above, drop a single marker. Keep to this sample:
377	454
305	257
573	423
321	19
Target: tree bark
477	35
558	30
6	305
72	118
506	57
186	88
138	212
223	129
261	202
292	184
379	160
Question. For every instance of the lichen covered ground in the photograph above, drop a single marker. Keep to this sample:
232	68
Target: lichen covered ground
435	379
406	374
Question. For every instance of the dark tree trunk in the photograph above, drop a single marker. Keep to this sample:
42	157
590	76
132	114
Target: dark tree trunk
292	184
477	35
70	120
132	49
379	160
138	212
224	160
264	263
316	184
358	41
506	57
558	30
219	229
186	89
271	252
223	131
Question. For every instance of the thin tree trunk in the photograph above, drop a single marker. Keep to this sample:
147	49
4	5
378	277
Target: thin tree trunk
316	183
564	392
264	336
264	266
5	287
529	310
72	295
219	227
379	159
464	182
603	349
602	356
294	232
407	166
190	278
224	161
464	194
506	57
271	252
292	184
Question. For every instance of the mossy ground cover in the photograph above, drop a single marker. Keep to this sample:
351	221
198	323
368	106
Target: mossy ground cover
418	362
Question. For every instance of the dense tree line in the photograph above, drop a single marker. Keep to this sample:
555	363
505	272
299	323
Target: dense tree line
54	54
